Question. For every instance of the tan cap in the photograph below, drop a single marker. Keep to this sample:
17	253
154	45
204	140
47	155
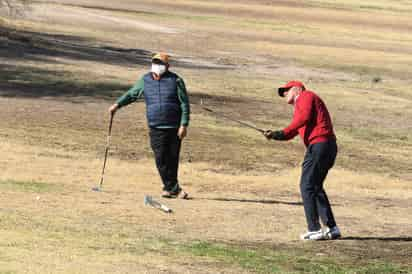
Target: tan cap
164	57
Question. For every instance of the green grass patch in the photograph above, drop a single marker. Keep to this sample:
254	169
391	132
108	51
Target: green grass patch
91	239
246	258
155	14
384	6
365	69
27	186
285	261
380	135
298	28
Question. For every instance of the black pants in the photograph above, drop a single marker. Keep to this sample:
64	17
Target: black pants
166	147
318	160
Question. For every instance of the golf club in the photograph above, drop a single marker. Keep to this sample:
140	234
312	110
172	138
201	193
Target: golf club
99	188
148	200
234	120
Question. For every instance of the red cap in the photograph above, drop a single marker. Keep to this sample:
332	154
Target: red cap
290	84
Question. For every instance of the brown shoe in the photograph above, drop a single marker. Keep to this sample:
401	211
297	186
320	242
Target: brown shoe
168	194
171	195
182	195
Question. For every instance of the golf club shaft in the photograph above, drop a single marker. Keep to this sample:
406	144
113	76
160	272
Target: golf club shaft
107	149
234	120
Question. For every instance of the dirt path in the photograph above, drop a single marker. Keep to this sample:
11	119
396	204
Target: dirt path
93	18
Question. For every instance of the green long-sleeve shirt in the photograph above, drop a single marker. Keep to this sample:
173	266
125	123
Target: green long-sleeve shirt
137	91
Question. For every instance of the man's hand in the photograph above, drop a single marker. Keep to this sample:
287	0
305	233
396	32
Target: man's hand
182	132
275	135
113	108
268	134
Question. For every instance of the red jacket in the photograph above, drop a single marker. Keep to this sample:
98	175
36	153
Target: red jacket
311	120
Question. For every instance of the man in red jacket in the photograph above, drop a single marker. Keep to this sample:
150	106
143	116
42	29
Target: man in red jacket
311	120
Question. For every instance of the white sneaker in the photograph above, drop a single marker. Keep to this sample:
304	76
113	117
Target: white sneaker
332	233
313	235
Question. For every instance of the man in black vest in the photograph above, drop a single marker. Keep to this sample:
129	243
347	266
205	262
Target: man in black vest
168	113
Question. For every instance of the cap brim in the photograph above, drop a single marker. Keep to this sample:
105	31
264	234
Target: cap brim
282	90
160	60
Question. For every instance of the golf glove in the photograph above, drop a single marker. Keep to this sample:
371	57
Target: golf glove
278	135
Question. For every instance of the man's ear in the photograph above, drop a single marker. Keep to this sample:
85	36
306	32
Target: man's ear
296	90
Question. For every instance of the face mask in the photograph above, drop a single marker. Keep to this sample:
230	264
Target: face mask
158	69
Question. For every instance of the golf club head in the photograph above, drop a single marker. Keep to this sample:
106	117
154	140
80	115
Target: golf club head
98	189
147	200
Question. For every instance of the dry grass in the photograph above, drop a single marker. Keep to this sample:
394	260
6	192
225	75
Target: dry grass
112	227
245	190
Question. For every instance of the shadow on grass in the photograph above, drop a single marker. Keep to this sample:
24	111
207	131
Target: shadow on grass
385	239
258	201
36	46
30	82
33	82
